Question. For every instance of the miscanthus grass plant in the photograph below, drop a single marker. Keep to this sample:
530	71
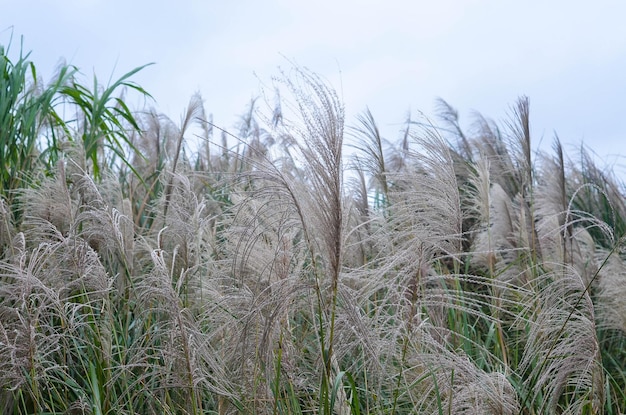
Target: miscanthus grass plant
265	271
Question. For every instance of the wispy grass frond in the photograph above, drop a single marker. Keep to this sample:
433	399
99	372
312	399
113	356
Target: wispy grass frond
491	145
520	143
425	201
194	112
50	298
551	210
320	142
492	211
180	341
450	116
359	241
599	194
453	272
611	291
562	355
292	211
452	383
371	143
49	210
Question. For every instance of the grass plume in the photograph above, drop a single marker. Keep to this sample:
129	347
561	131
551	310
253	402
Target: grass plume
455	272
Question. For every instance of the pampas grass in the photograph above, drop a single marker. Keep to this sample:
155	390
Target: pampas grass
454	272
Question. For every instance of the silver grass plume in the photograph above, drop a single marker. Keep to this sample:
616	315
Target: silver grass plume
320	149
424	215
51	202
421	224
359	240
561	360
450	116
270	284
322	117
611	291
491	207
521	152
190	362
156	143
195	112
270	275
520	143
303	204
551	210
450	382
29	340
491	145
46	292
189	240
562	230
372	146
110	230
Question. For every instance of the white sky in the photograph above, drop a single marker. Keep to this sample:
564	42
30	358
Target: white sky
569	57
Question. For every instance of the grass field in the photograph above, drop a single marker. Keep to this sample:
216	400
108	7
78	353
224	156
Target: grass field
277	269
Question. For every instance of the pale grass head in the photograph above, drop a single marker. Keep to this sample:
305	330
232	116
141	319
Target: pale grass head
611	291
492	210
561	357
490	144
551	209
51	202
46	293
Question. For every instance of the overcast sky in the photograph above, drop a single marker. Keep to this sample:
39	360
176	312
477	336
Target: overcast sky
394	56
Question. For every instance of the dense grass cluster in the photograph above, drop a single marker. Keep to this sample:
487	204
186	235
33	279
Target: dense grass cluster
265	271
